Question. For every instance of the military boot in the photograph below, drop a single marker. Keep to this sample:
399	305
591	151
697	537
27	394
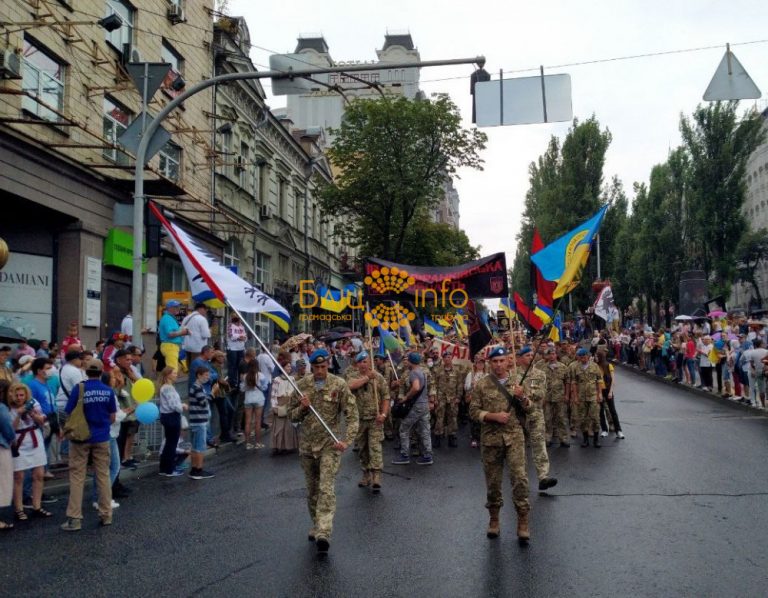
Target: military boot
452	443
596	440
585	442
375	480
493	524
436	442
365	481
523	534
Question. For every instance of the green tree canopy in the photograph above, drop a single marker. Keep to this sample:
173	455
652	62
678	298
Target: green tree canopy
393	157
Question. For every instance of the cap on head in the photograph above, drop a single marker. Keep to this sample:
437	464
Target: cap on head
300	363
172	303
318	357
94	366
498	352
524	350
362	356
582	352
414	358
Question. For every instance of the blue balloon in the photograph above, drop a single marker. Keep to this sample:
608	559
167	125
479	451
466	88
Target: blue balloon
147	413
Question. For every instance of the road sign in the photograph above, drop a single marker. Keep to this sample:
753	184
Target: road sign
731	82
523	101
131	137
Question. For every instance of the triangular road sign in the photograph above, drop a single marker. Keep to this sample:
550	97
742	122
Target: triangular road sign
731	82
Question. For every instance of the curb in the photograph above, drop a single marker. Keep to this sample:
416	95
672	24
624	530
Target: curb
60	486
690	389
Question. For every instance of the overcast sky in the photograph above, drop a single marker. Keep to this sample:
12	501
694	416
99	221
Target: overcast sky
639	100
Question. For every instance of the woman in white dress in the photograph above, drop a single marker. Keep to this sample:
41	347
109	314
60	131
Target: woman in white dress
28	449
285	438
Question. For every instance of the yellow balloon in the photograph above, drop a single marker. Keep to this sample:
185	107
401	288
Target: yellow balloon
143	390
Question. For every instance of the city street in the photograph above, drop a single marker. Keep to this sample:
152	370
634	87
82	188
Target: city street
679	508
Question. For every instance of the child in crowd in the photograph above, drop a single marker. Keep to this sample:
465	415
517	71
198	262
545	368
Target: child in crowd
199	414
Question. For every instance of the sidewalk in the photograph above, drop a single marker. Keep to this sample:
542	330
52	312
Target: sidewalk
691	389
145	469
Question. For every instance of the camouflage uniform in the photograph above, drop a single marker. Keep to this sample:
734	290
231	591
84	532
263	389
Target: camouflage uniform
587	377
499	443
573	367
535	387
370	434
389	376
449	389
319	459
555	407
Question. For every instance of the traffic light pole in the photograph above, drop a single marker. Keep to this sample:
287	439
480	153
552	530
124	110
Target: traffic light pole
139	199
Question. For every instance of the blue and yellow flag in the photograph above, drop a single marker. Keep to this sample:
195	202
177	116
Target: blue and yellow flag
433	328
544	312
460	324
556	333
563	260
507	306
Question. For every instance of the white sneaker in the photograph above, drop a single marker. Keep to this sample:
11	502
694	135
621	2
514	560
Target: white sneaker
115	505
603	434
620	435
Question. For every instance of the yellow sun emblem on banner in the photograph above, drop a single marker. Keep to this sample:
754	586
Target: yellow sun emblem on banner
389	280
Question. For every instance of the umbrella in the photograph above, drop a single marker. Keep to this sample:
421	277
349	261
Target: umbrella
717	313
9	335
295	341
683	318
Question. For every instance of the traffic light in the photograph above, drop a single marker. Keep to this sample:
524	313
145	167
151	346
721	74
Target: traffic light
153	233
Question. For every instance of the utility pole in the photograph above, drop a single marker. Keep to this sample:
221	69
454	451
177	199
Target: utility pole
152	127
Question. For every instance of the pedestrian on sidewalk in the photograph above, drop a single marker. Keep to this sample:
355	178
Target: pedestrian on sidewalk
199	417
114	454
7	437
28	449
171	409
284	436
99	407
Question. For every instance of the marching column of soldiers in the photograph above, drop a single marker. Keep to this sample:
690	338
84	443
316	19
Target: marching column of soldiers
524	399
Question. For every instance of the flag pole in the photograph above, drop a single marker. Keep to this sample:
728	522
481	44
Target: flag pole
287	377
392	363
370	352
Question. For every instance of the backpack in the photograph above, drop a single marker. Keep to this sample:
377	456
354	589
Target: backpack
76	428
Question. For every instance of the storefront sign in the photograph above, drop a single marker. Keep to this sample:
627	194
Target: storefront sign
26	295
150	302
118	250
92	303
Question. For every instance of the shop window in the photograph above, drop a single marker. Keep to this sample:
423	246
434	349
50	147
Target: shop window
123	36
42	78
115	120
170	161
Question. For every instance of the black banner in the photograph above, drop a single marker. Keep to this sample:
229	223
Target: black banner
446	286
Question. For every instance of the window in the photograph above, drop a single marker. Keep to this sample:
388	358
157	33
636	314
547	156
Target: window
43	78
124	35
172	57
115	120
263	181
261	279
297	205
172	276
245	154
170	161
313	230
282	198
231	254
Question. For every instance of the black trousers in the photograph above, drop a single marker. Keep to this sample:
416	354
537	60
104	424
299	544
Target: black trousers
706	375
172	427
610	405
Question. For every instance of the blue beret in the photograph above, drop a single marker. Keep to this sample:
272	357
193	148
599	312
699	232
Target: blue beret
414	357
523	350
582	352
497	352
318	356
361	356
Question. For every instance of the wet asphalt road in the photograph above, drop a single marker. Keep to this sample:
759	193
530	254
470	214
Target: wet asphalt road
679	508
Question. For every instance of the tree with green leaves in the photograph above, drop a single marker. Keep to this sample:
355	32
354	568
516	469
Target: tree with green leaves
718	143
750	252
437	244
393	157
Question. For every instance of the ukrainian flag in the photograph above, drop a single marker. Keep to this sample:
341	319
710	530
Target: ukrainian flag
544	313
433	328
556	332
461	324
563	260
507	306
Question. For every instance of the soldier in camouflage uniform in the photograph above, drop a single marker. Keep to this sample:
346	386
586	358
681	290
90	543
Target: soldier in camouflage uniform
320	455
588	379
535	385
385	369
572	391
555	405
372	398
502	439
449	383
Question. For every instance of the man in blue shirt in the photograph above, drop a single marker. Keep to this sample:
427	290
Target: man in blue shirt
99	406
171	334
